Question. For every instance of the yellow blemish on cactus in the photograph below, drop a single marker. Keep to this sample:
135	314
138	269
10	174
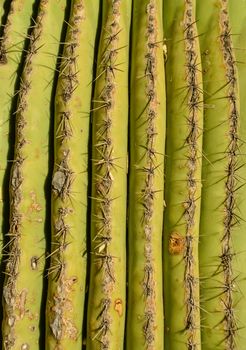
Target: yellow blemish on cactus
118	306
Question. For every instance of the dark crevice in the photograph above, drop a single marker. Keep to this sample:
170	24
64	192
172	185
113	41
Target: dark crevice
89	187
129	162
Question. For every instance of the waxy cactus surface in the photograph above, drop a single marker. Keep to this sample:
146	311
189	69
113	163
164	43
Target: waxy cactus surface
122	174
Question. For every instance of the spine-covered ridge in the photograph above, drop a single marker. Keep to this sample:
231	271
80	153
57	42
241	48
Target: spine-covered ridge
147	145
61	324
230	204
191	142
104	164
151	169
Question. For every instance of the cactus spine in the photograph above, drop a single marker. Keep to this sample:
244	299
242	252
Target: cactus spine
183	177
65	302
145	328
106	311
24	282
221	241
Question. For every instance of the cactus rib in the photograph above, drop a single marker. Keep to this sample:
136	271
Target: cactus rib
231	182
65	302
190	208
222	287
147	125
106	310
183	174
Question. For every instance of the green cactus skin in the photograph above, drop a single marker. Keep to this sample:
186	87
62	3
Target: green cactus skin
11	46
145	326
222	242
106	310
67	273
183	177
23	285
1	9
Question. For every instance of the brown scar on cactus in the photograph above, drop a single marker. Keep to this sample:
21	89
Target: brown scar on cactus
59	324
176	243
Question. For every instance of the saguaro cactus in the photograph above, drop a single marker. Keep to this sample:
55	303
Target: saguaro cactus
222	247
23	284
147	138
69	200
183	177
106	311
163	268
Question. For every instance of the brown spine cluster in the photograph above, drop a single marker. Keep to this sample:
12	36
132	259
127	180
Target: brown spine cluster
63	177
104	164
13	249
191	142
232	152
